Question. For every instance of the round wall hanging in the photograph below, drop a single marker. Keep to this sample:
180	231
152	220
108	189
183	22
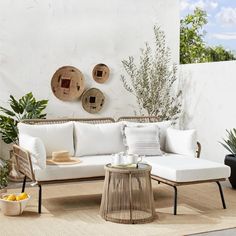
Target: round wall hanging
67	83
101	73
93	100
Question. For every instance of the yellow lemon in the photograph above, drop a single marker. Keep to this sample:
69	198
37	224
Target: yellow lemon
18	198
11	197
22	196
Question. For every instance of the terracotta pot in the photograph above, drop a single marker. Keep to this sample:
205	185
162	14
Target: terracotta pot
230	160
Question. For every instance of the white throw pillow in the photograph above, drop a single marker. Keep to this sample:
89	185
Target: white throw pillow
55	137
98	139
181	141
142	140
162	125
35	147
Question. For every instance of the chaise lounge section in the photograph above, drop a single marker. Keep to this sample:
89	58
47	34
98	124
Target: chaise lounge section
178	170
171	169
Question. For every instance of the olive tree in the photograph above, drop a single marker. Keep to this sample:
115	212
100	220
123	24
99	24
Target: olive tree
152	80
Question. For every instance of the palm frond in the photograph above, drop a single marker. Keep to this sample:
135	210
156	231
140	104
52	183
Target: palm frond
230	142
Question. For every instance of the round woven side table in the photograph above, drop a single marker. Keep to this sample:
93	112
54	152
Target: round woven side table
127	196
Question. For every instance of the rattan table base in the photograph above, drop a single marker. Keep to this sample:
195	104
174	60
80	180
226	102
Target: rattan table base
127	196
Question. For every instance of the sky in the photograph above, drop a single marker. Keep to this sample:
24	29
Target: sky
221	27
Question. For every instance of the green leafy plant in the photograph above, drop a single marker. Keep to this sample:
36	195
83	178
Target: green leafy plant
152	80
193	48
192	45
218	53
25	108
4	172
230	142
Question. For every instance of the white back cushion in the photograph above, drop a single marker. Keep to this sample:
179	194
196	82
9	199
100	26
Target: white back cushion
163	125
55	137
36	149
181	141
98	139
142	140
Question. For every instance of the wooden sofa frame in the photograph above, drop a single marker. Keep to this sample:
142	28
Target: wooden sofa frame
24	163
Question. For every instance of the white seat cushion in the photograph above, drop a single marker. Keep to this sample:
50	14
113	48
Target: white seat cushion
98	139
90	166
173	167
55	137
36	148
181	168
182	142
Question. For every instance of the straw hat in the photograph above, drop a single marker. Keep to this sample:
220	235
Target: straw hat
62	158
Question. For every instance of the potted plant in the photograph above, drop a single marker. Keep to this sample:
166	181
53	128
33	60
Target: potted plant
230	159
25	108
4	172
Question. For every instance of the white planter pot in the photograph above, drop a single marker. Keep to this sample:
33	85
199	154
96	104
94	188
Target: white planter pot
13	208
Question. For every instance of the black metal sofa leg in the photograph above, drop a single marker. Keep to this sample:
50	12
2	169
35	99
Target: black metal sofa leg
221	194
175	200
40	199
23	185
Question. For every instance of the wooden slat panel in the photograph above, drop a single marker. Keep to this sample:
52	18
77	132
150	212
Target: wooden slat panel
60	121
72	180
141	119
23	162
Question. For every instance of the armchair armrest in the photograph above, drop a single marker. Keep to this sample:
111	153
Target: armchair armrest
199	148
23	161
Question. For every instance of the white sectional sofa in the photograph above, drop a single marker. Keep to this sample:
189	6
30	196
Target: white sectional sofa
68	134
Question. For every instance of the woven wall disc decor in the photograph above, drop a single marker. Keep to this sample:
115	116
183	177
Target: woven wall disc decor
93	100
101	73
67	83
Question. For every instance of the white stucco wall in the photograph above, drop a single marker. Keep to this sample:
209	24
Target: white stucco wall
209	103
38	37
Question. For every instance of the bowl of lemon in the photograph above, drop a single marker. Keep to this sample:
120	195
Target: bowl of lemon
14	204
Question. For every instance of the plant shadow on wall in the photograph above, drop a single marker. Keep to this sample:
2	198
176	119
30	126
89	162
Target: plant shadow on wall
189	105
152	81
